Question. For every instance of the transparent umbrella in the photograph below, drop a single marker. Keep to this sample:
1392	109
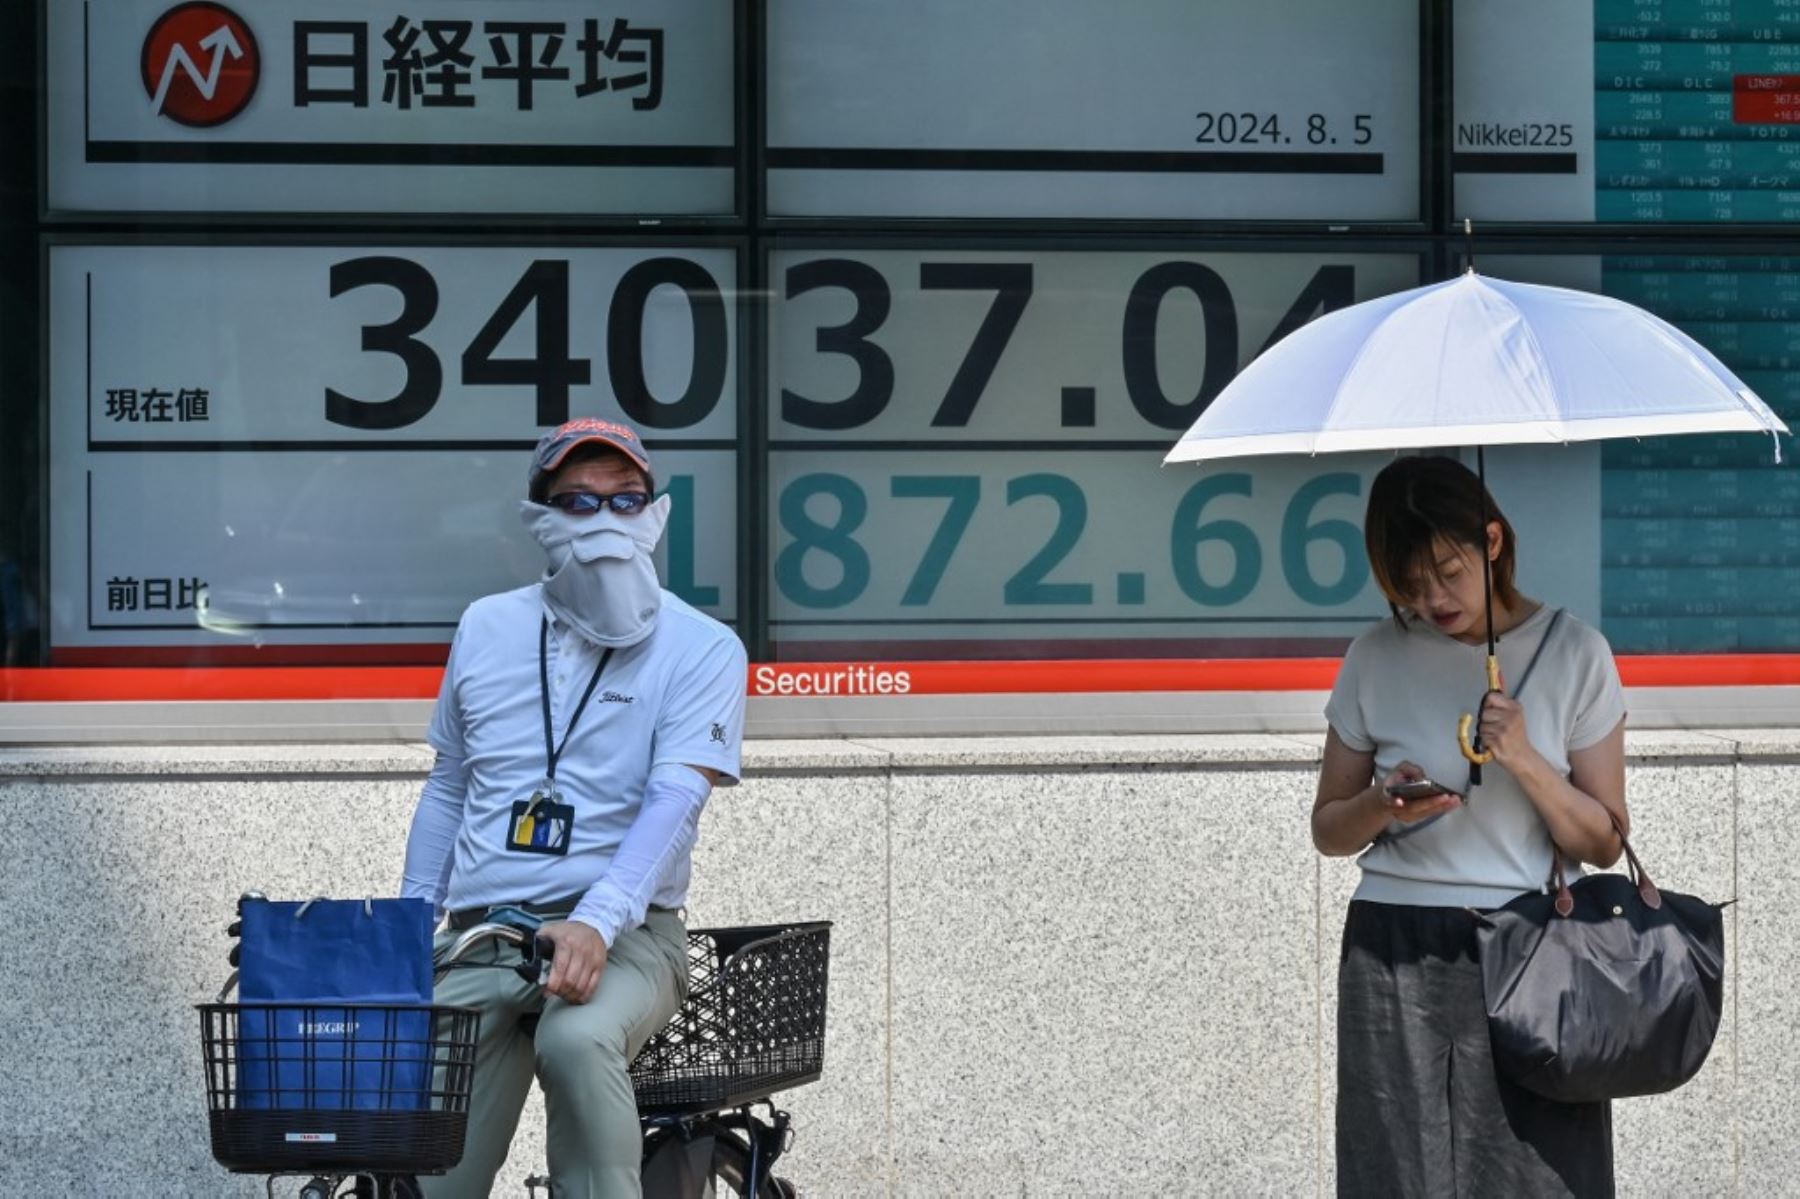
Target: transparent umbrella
1475	361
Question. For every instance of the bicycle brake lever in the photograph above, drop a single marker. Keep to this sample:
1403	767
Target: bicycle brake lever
536	965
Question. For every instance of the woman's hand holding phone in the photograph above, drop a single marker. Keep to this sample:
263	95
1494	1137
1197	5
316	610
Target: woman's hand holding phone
1409	796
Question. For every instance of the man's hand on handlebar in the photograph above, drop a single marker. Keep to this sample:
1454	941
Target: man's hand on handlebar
578	962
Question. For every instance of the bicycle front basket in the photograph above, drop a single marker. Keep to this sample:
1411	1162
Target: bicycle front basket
753	1023
337	1087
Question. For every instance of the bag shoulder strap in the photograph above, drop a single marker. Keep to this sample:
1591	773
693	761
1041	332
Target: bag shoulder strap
1537	654
1559	883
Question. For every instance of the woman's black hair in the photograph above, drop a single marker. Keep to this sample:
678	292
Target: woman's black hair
1415	504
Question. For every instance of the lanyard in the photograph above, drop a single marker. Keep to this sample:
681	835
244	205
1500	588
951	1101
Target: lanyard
553	751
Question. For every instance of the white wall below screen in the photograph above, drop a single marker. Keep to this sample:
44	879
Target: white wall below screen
1054	960
1063	714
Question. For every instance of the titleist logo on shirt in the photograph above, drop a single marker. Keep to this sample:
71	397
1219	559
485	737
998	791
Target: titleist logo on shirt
613	697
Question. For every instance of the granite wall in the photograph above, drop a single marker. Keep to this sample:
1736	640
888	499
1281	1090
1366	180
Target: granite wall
1059	966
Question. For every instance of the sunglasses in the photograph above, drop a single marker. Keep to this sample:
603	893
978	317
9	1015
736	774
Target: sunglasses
586	503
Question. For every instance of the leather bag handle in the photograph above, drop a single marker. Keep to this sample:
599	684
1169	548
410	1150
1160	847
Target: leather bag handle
1640	878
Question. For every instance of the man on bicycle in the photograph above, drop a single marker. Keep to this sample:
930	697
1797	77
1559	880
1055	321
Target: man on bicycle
582	723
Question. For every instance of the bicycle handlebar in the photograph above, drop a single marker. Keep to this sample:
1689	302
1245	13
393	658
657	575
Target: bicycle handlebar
538	950
469	939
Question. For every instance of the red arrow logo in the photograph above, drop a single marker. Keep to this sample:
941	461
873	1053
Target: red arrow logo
181	40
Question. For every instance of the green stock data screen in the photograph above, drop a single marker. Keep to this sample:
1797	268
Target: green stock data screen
1700	544
1697	110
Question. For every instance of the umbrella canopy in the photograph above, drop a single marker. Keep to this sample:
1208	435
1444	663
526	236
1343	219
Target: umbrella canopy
1475	361
1480	362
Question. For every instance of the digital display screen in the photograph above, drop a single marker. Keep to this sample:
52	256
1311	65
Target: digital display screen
965	454
1701	535
443	106
326	445
1159	109
1631	111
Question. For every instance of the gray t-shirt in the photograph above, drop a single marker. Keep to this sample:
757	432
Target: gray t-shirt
1399	695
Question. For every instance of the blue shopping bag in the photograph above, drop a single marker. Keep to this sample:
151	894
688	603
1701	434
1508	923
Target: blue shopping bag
309	1053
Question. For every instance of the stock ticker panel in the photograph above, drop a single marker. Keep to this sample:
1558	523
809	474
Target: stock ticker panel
1700	542
1697	110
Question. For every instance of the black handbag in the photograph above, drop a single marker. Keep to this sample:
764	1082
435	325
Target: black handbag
1604	989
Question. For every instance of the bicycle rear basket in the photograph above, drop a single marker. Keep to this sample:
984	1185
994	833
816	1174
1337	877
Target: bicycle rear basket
340	1087
753	1023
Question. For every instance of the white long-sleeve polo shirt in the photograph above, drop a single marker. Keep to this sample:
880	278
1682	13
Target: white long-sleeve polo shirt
675	698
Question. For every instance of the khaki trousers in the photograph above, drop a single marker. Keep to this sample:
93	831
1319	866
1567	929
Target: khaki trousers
579	1054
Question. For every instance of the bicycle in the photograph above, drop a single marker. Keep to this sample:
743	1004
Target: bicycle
752	1026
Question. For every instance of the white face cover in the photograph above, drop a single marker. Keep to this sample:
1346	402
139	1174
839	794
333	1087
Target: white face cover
601	579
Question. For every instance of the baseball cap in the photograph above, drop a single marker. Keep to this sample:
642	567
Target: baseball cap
555	446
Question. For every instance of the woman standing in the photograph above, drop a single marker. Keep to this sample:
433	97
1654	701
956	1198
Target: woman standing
1421	1109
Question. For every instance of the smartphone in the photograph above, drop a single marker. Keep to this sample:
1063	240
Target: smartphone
1422	789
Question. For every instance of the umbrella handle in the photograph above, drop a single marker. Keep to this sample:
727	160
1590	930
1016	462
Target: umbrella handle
1466	726
1463	728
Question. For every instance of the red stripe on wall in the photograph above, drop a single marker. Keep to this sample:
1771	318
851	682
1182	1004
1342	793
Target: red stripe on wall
987	678
1711	670
150	683
153	683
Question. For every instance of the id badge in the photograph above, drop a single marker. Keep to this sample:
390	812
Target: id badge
541	824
